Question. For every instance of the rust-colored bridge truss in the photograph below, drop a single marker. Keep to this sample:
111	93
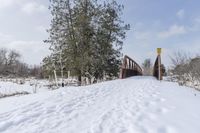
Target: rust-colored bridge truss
129	68
157	69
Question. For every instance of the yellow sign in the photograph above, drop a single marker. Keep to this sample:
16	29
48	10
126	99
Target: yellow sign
159	51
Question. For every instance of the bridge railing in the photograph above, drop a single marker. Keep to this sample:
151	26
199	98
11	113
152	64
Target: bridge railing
129	68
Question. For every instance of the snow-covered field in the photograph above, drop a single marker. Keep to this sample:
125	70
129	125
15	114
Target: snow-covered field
31	86
133	105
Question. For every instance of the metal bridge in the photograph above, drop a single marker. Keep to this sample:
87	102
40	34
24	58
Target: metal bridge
131	68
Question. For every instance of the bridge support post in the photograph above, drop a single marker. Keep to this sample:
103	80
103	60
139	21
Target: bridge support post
158	67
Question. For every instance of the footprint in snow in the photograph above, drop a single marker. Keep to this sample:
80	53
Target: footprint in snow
149	104
160	99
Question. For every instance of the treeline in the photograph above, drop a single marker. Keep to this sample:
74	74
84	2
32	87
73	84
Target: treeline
86	39
12	66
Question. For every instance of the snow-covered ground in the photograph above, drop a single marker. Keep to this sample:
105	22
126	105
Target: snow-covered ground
133	105
31	86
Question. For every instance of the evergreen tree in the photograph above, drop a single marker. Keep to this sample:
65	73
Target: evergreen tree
87	35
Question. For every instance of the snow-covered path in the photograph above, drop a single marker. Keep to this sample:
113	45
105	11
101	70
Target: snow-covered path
134	105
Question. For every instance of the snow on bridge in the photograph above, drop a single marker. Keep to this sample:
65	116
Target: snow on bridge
132	105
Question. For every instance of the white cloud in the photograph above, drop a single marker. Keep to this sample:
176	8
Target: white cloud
143	35
32	51
191	47
4	38
33	7
6	3
180	14
174	30
195	25
11	3
197	20
42	29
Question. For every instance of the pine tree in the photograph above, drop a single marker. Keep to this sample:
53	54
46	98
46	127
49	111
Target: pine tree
87	35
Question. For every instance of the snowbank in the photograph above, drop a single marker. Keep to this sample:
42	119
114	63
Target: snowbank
133	105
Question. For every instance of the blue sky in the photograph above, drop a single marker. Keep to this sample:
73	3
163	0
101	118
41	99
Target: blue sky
173	25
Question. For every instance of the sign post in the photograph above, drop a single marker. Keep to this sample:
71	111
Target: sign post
159	63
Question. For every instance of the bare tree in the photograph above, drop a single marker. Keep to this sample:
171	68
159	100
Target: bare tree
13	57
179	58
186	70
194	70
10	64
3	59
180	66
